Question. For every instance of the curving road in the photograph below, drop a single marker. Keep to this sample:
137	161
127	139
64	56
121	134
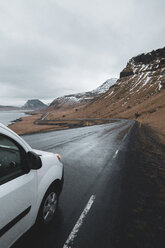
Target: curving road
89	200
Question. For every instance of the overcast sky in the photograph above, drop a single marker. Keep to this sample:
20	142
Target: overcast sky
50	48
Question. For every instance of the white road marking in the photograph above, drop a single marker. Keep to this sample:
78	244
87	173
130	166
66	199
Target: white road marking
79	223
114	156
125	136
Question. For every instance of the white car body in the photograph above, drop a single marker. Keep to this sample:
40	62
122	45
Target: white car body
21	197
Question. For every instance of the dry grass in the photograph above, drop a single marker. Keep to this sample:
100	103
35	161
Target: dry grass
151	112
27	126
130	97
33	124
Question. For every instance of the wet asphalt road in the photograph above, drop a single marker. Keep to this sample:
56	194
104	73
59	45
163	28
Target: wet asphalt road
89	157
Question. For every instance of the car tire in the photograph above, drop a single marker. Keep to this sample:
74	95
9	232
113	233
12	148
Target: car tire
48	207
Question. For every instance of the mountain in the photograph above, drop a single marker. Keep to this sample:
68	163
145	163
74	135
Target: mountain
142	80
79	99
34	104
139	93
104	87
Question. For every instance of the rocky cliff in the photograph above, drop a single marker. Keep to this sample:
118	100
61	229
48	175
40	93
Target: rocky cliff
138	94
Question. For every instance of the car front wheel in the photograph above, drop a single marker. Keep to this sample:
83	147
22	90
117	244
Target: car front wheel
48	207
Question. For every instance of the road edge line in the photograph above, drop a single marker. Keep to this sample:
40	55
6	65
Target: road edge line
79	223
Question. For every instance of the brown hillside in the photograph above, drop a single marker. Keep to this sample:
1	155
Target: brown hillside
138	94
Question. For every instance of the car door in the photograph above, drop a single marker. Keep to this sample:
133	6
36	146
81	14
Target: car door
17	191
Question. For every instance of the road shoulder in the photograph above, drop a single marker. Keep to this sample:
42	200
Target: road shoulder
140	221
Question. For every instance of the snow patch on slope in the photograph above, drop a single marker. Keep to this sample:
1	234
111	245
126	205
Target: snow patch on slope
85	97
105	86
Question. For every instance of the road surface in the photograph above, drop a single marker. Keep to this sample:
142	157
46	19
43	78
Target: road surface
89	200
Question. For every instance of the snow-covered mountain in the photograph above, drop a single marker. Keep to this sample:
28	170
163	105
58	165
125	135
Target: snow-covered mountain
82	98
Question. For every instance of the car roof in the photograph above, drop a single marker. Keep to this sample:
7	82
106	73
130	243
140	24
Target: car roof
2	125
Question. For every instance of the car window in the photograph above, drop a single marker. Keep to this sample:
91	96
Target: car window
10	159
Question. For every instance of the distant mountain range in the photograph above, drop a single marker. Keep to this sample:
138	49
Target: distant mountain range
8	108
65	102
33	104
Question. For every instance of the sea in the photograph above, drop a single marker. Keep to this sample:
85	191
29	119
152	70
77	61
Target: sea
7	117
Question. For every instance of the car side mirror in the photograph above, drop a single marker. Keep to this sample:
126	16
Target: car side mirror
34	161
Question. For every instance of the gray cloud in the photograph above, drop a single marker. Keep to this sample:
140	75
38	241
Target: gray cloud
51	47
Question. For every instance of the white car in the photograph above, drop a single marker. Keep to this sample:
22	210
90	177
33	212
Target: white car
30	184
